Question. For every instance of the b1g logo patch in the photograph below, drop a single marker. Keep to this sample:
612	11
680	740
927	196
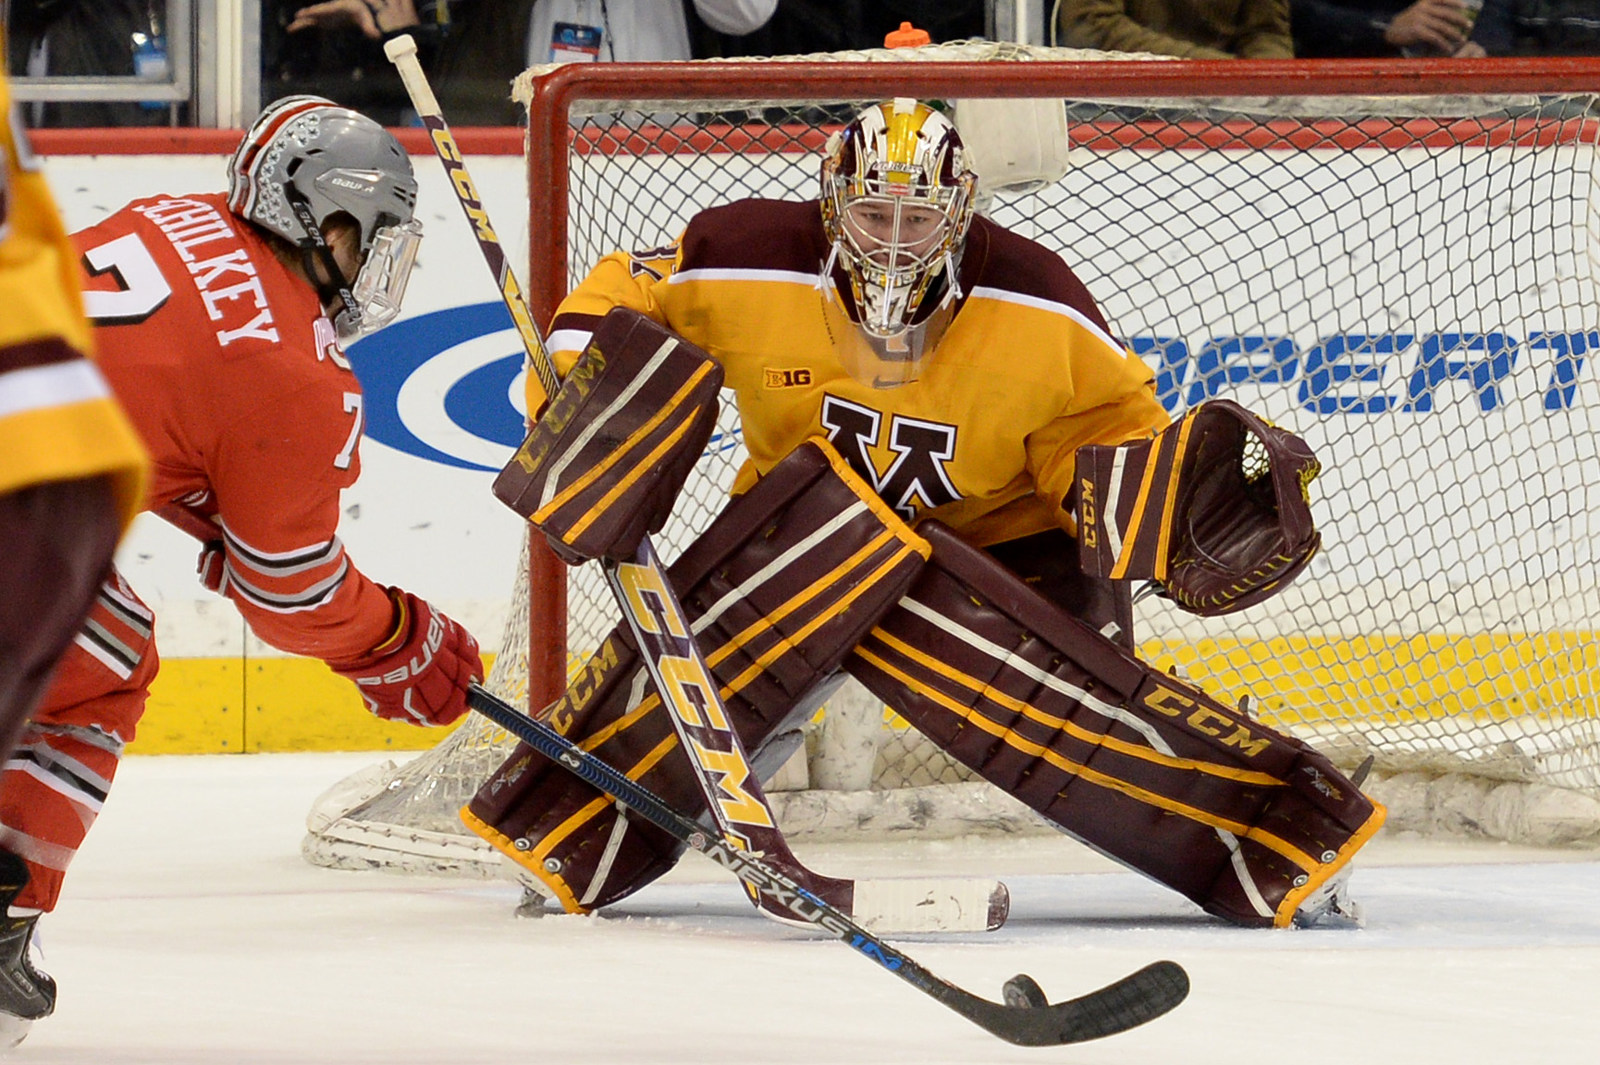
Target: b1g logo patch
787	378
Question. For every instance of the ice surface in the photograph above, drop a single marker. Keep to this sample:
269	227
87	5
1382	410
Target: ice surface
191	931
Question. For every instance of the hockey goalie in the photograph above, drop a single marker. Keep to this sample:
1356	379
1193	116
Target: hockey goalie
955	477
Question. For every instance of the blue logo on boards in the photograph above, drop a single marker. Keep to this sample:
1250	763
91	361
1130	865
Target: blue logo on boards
1360	373
446	386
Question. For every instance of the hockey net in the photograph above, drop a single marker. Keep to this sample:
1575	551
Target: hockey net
1407	281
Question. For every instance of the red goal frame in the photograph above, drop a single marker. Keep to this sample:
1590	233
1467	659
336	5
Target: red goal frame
553	94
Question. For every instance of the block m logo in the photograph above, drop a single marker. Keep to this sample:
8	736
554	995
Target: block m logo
916	477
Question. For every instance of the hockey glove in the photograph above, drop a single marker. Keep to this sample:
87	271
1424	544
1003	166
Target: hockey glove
1216	507
420	674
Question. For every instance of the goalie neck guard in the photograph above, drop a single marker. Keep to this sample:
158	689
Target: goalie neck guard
897	199
306	160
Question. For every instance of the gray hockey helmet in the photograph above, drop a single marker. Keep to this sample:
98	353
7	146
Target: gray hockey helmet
308	157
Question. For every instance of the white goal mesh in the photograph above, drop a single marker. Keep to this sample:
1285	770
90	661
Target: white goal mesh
1409	282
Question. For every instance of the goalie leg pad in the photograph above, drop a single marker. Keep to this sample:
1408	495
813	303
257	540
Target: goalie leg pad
777	590
603	465
1143	767
1047	562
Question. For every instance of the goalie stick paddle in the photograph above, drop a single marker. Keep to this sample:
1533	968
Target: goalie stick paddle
1025	1018
688	692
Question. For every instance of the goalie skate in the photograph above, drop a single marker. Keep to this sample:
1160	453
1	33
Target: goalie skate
1331	906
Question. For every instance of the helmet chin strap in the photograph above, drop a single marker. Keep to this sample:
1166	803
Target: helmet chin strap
316	250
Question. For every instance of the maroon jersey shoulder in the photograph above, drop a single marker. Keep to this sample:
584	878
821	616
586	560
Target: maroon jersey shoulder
757	235
997	258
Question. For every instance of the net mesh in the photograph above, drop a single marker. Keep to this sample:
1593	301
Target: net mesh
1409	283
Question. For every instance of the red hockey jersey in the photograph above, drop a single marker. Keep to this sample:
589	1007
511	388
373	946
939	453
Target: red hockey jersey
234	379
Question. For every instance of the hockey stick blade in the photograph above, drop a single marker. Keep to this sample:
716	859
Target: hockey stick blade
1026	1018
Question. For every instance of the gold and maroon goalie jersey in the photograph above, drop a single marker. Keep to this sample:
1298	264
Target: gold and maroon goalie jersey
234	379
58	420
983	438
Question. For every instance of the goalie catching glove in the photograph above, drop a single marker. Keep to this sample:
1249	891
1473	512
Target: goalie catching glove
1216	507
603	465
421	673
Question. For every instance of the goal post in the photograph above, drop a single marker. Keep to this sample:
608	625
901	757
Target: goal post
1398	261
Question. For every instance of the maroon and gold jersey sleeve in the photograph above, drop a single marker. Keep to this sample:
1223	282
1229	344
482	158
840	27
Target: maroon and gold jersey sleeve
58	419
622	279
252	416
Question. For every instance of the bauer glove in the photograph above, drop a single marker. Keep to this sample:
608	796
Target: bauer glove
420	674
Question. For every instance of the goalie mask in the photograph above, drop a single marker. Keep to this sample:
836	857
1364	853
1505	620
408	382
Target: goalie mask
897	200
306	160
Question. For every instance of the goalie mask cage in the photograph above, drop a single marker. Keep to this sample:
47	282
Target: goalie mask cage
1398	261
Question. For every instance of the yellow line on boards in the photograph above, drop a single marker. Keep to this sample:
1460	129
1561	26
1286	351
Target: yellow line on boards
229	705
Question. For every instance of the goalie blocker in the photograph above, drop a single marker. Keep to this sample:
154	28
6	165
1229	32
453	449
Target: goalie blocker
608	456
1151	771
777	590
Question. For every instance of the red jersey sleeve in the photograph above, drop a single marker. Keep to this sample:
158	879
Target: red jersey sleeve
277	476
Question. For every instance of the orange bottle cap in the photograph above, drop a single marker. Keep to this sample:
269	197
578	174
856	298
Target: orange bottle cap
907	36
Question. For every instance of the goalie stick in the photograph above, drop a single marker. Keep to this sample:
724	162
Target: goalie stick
1026	1018
678	670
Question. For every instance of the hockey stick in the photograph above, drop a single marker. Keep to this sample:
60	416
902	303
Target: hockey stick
1026	1018
648	603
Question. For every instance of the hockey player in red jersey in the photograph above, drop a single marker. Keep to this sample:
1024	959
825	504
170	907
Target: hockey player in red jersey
887	346
220	321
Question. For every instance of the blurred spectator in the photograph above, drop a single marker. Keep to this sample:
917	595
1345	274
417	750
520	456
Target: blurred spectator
1385	28
90	38
1539	27
1194	29
800	27
471	49
625	31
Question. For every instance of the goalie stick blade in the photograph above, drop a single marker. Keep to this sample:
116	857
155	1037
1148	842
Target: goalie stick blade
906	906
1028	1019
900	906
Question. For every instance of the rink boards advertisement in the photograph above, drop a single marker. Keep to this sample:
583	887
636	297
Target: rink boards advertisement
444	410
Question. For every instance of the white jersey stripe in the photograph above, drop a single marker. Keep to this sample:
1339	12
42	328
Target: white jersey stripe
280	561
102	655
35	850
43	387
569	339
789	277
310	598
984	292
